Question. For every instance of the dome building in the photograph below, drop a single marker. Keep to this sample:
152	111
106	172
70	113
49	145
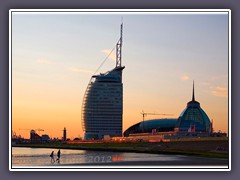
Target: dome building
193	118
160	125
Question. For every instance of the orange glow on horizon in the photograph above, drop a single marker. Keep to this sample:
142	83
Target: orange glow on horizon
52	111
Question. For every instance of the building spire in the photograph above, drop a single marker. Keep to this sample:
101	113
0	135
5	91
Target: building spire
193	96
119	49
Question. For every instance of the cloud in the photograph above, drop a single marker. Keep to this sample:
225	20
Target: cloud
81	70
44	61
107	52
220	91
184	77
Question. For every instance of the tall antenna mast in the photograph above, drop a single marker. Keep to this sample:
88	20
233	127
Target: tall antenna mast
119	49
193	96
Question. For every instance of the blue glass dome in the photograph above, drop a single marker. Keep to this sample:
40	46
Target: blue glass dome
193	115
161	125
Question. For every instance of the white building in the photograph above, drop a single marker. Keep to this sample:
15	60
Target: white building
102	106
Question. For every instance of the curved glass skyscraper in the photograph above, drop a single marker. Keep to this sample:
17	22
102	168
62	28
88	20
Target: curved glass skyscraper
102	106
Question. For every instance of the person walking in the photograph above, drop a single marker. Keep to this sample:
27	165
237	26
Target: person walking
58	156
52	157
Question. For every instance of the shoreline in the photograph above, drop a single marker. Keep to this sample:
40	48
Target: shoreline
213	149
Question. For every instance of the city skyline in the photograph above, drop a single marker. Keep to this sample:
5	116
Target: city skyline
55	55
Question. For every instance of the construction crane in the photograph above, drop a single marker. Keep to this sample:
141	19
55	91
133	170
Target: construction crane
144	114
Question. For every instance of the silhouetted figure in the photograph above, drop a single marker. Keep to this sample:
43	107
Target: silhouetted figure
58	156
52	157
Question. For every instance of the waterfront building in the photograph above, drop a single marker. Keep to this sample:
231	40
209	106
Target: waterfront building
193	119
102	106
34	137
150	126
45	138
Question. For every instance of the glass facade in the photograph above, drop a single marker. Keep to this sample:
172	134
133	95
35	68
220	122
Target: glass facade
192	119
102	106
161	125
193	116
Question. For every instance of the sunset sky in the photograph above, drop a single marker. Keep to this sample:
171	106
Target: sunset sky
54	56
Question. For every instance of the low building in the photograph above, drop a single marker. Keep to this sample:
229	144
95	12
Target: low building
34	137
193	121
151	126
45	138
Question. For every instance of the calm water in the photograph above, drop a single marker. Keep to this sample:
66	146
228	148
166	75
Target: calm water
40	157
24	157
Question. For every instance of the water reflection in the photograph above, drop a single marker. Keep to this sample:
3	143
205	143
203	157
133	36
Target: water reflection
117	157
41	156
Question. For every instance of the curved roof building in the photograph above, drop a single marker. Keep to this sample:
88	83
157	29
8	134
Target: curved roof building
102	106
193	118
161	125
